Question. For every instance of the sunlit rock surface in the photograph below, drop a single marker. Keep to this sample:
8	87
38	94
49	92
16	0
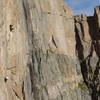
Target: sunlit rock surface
38	51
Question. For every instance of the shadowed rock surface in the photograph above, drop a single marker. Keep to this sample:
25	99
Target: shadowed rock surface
37	51
87	31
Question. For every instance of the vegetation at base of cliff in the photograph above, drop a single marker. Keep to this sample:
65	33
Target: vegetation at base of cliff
82	86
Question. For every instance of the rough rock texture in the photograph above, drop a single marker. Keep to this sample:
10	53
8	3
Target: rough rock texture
87	31
37	51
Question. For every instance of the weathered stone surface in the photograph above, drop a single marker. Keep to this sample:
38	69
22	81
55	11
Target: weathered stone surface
53	62
37	50
37	59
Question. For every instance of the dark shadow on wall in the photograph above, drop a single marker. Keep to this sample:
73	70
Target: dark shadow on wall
91	76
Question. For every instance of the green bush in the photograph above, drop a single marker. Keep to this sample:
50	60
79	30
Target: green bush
82	86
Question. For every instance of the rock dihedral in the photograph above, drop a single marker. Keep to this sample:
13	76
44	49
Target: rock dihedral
38	40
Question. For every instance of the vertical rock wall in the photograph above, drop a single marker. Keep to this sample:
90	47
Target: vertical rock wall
37	51
51	73
14	48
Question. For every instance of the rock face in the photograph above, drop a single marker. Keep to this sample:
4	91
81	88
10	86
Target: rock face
37	51
87	31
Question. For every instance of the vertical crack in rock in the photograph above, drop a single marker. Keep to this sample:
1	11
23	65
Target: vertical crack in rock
33	76
16	94
53	41
23	91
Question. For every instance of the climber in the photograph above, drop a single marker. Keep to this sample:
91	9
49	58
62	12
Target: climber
6	78
11	28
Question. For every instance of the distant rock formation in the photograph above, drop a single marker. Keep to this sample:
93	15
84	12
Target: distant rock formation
43	48
87	31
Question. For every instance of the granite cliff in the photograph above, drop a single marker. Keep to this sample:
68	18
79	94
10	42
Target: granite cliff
46	53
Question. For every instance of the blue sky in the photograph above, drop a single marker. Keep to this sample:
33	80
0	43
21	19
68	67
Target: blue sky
83	6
